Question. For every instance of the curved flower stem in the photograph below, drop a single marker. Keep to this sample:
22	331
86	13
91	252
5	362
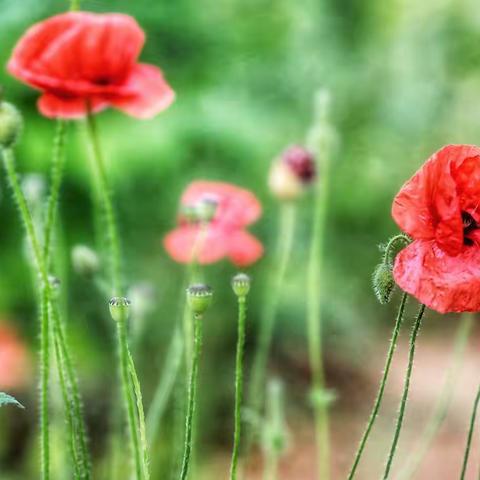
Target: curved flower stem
403	402
470	435
267	321
440	410
192	396
129	397
141	415
242	314
9	161
107	204
381	390
58	163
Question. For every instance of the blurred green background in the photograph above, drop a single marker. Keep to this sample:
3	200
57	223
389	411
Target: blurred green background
405	80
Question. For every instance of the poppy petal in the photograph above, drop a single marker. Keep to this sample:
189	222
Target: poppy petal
187	242
152	94
244	249
53	106
442	282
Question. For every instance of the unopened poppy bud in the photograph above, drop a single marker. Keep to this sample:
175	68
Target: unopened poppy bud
241	284
85	261
10	124
292	173
199	298
206	209
119	308
383	282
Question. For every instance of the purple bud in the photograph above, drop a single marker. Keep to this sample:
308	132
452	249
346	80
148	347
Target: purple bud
301	162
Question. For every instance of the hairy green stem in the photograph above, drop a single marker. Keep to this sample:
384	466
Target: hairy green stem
441	408
9	161
403	402
470	435
107	205
267	322
141	416
192	396
242	315
129	397
381	390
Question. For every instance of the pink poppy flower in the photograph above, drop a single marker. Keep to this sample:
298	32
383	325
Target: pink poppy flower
77	58
224	235
14	360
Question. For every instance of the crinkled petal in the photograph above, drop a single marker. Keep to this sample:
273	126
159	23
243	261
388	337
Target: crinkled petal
244	249
53	106
442	282
78	52
188	242
237	207
148	92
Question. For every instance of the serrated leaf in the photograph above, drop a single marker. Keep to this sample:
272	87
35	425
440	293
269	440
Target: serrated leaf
6	399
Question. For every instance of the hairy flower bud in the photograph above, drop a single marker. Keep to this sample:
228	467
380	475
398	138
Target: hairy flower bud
85	260
119	308
292	173
10	124
383	282
241	284
199	298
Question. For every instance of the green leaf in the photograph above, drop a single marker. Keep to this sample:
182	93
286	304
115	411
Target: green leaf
6	399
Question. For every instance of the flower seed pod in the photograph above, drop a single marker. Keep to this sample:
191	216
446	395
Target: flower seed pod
241	284
199	297
85	260
383	283
119	308
10	124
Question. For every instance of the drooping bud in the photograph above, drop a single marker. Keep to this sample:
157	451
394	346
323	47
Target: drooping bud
199	298
10	124
119	308
241	284
292	173
85	260
383	282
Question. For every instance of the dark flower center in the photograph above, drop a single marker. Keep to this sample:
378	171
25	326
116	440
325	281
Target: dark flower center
469	225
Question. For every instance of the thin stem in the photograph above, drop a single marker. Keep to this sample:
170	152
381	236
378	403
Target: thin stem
381	390
9	161
440	410
58	163
74	5
470	435
267	322
242	314
141	415
129	397
192	397
403	402
106	198
315	285
165	386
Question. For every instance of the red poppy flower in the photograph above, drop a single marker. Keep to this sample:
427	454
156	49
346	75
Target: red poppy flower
80	57
14	360
224	235
439	207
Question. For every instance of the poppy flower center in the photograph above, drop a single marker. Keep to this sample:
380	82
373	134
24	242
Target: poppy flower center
469	225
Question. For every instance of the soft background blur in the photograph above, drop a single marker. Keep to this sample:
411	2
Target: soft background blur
405	79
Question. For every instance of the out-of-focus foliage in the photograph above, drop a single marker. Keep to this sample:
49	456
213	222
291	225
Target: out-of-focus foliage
405	80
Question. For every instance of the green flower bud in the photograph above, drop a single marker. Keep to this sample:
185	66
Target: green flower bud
383	283
10	124
85	260
199	298
241	284
119	307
